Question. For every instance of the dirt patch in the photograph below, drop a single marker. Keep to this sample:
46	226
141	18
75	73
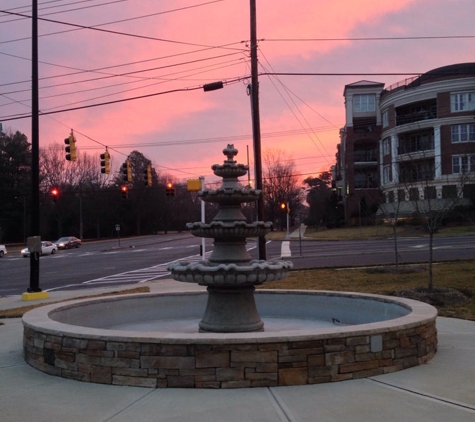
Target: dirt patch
400	269
440	297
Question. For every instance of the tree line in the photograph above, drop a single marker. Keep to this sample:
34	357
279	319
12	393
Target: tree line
91	205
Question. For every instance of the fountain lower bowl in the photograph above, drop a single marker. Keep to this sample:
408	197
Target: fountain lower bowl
153	340
235	229
230	275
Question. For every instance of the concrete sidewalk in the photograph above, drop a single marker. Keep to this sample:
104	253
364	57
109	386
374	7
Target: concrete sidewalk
442	390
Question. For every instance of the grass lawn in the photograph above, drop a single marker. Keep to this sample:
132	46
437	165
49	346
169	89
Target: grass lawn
459	275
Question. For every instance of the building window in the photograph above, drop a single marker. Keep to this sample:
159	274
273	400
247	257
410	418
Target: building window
430	192
462	164
463	133
462	102
413	194
385	118
390	196
387	146
386	174
363	103
401	195
449	191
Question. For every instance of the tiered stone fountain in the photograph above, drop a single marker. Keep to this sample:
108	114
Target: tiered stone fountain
158	340
230	274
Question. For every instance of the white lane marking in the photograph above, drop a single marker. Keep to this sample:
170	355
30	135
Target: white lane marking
285	249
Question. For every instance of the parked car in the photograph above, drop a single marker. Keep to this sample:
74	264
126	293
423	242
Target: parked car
3	250
68	242
47	248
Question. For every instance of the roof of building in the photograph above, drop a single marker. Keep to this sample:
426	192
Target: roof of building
453	71
364	84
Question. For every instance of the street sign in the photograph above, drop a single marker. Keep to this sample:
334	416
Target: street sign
193	185
117	227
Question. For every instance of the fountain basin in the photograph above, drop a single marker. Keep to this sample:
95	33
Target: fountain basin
153	340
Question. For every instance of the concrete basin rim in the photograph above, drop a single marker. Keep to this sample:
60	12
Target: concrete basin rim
39	320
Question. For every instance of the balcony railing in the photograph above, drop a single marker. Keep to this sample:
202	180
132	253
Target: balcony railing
407	148
365	184
365	156
415	117
422	176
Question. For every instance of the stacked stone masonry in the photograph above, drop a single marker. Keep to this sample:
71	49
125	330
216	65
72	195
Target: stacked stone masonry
208	365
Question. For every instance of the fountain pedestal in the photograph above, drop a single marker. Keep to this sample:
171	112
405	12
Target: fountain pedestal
230	274
231	310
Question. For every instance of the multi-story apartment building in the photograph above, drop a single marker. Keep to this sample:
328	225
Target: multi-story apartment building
356	173
425	146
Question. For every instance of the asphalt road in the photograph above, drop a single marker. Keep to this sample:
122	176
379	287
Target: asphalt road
312	254
136	260
107	263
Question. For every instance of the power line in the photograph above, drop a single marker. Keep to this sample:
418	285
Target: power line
18	117
98	70
138	79
435	37
96	28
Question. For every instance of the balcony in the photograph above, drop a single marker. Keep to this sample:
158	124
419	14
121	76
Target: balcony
366	156
365	184
416	112
418	146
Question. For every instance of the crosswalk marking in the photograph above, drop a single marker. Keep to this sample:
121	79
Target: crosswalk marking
142	275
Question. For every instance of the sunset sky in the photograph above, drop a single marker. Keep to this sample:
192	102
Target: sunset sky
104	51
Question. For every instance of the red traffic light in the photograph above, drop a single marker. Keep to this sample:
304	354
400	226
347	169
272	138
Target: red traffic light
125	191
55	194
170	190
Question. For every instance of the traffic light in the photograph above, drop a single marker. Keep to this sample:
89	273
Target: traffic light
285	207
127	171
105	163
170	189
147	176
55	194
125	191
70	147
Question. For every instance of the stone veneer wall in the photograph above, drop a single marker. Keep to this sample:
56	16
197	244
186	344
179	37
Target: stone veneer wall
211	365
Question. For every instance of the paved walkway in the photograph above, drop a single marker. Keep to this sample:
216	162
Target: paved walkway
440	391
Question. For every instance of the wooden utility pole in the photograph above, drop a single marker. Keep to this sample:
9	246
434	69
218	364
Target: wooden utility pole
256	126
35	185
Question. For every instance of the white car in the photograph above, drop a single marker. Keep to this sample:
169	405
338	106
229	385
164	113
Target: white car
3	250
46	248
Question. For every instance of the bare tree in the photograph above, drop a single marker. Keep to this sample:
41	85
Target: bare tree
280	182
432	198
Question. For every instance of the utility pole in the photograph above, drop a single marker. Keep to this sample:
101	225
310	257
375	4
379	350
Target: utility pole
256	126
34	291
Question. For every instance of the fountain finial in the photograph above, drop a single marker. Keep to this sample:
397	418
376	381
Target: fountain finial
230	152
